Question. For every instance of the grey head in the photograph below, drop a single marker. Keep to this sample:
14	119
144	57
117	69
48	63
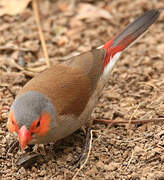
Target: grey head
29	106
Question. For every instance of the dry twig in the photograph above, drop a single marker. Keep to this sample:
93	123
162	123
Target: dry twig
130	159
127	121
42	39
131	117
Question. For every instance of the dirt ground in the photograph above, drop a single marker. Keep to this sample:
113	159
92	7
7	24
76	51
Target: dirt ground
135	90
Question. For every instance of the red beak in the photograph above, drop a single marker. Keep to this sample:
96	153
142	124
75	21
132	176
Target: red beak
24	136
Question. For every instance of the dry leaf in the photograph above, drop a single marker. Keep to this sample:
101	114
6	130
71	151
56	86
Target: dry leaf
12	7
27	160
88	11
63	5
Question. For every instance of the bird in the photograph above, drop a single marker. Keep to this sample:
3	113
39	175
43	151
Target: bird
60	100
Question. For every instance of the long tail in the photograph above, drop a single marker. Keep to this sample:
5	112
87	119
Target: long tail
127	37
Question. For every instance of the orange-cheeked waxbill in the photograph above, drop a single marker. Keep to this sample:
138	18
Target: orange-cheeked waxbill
60	100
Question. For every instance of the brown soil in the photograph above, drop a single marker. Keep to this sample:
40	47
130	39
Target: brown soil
135	90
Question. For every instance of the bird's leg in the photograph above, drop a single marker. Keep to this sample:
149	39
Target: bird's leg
85	149
83	129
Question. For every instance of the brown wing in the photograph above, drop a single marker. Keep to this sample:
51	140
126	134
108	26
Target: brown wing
69	86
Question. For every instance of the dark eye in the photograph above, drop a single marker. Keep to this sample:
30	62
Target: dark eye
13	123
38	123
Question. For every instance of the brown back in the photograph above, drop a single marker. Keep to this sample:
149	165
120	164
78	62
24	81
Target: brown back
90	62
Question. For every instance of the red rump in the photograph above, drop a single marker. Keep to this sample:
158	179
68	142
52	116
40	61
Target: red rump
110	52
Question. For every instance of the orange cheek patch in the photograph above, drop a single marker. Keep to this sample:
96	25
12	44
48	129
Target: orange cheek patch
44	125
12	124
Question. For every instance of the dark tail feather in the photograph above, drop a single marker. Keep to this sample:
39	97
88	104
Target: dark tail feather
131	33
